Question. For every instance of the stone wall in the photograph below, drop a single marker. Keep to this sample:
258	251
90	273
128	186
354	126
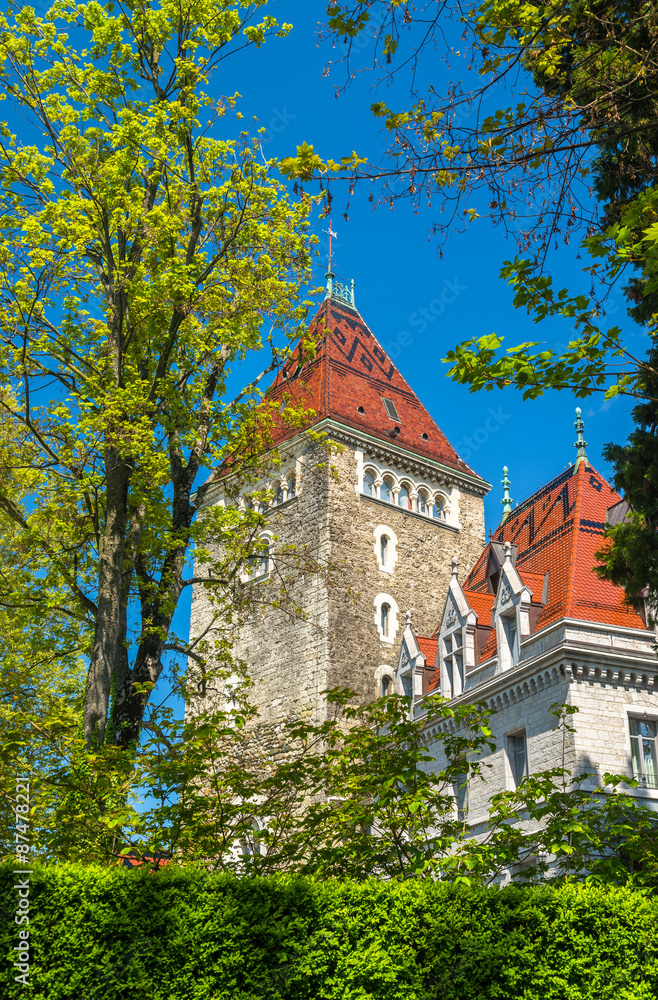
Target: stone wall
417	583
335	641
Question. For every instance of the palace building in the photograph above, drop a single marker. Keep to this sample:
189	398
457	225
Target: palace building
412	599
531	625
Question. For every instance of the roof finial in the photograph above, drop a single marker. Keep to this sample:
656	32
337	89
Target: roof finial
330	274
580	444
408	617
508	551
507	500
455	567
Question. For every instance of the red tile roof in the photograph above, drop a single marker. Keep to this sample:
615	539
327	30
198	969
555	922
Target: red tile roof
481	604
435	682
351	371
428	648
557	531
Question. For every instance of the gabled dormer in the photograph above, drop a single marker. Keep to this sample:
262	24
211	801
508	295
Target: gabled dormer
511	612
457	635
416	662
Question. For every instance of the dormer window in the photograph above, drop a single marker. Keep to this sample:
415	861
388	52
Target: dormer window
390	408
511	634
453	664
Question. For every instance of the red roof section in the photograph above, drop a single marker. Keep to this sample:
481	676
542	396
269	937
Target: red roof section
557	531
481	604
534	582
351	371
428	648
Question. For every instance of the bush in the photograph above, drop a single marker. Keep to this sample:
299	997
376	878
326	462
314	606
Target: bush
181	934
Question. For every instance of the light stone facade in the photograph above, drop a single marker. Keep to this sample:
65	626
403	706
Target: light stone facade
338	640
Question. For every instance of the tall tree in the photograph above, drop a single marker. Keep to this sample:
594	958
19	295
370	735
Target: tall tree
141	253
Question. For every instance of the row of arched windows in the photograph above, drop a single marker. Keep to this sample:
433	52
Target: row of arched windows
283	489
403	494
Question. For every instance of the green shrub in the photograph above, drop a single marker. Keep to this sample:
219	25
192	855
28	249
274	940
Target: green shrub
181	934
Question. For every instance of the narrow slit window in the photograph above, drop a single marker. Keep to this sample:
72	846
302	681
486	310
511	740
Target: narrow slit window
390	408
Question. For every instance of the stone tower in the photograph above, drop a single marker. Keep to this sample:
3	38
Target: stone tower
386	513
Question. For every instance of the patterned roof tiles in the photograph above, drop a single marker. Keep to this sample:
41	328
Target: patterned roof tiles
347	379
558	530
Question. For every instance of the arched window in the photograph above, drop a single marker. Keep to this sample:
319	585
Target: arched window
437	510
403	498
387	490
292	487
386	686
422	503
383	550
278	495
369	484
385	619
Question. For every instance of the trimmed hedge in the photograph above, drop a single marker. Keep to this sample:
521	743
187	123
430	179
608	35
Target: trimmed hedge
180	934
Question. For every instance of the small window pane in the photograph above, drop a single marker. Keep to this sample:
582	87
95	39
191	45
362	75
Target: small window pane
407	685
387	490
386	684
643	751
292	486
422	503
383	549
369	484
385	617
518	757
403	498
437	511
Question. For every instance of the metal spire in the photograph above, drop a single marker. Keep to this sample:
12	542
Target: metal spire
507	500
580	443
330	274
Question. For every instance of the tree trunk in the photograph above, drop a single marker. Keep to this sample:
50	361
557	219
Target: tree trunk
108	619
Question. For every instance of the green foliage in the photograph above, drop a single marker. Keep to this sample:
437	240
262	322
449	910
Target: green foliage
142	254
177	934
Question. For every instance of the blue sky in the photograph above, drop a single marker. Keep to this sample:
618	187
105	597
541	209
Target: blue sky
398	270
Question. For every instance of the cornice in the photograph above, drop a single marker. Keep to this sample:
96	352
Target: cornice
402	458
615	662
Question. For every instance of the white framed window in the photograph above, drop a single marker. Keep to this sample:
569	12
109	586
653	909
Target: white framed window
423	503
453	663
387	490
404	500
460	791
517	754
386	617
438	508
384	680
385	548
259	564
644	755
510	633
369	487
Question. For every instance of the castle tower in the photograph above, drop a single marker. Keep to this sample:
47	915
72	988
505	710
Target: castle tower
385	513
